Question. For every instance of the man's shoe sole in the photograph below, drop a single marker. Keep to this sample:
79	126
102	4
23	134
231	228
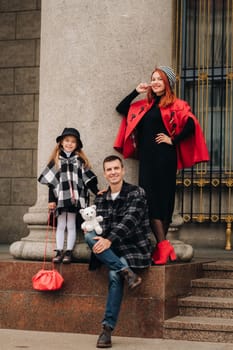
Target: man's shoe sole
103	345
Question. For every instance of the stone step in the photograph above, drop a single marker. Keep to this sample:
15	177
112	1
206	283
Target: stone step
206	306
208	312
199	329
219	269
214	287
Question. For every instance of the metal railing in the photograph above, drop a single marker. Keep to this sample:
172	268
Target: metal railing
203	58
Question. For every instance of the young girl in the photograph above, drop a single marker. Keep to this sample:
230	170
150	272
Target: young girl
68	177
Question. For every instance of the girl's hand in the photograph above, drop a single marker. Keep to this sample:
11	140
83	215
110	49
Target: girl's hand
52	205
102	191
159	138
142	87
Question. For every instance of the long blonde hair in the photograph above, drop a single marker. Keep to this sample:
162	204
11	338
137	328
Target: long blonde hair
54	157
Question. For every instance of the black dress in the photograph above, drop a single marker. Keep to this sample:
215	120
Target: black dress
157	162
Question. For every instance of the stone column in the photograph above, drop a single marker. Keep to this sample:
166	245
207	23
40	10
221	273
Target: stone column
93	53
184	252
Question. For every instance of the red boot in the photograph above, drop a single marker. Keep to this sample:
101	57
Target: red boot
165	252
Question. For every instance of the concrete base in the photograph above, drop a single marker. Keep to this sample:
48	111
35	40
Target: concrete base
32	247
79	306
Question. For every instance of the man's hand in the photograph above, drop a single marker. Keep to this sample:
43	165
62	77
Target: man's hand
101	245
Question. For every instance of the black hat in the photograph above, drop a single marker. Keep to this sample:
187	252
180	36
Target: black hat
70	132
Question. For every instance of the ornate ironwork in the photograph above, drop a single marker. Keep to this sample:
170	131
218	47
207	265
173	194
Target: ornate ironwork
203	56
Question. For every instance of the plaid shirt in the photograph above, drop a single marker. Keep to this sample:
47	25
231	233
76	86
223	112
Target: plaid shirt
69	182
126	224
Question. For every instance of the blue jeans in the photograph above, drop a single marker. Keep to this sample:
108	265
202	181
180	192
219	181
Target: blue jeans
116	283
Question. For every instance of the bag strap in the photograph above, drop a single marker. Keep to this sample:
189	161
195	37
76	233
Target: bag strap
50	212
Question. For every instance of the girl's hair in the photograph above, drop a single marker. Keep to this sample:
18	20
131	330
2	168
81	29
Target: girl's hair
168	98
57	150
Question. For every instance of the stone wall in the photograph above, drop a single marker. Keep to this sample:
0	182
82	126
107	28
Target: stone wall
93	52
19	91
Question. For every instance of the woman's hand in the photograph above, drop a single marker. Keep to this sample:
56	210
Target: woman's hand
142	87
52	205
159	138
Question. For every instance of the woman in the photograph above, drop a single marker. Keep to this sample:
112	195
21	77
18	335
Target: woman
164	135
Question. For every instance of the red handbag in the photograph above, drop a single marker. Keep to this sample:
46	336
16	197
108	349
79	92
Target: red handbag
47	280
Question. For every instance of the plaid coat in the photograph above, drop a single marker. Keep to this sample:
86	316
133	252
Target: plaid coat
69	181
126	224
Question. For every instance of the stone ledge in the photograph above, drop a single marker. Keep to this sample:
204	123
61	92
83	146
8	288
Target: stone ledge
79	305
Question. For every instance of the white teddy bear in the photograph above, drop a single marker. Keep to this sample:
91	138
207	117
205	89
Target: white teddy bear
91	221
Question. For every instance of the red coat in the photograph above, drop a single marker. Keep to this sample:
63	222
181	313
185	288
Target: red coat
189	151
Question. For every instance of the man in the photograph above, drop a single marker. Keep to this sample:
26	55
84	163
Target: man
124	244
